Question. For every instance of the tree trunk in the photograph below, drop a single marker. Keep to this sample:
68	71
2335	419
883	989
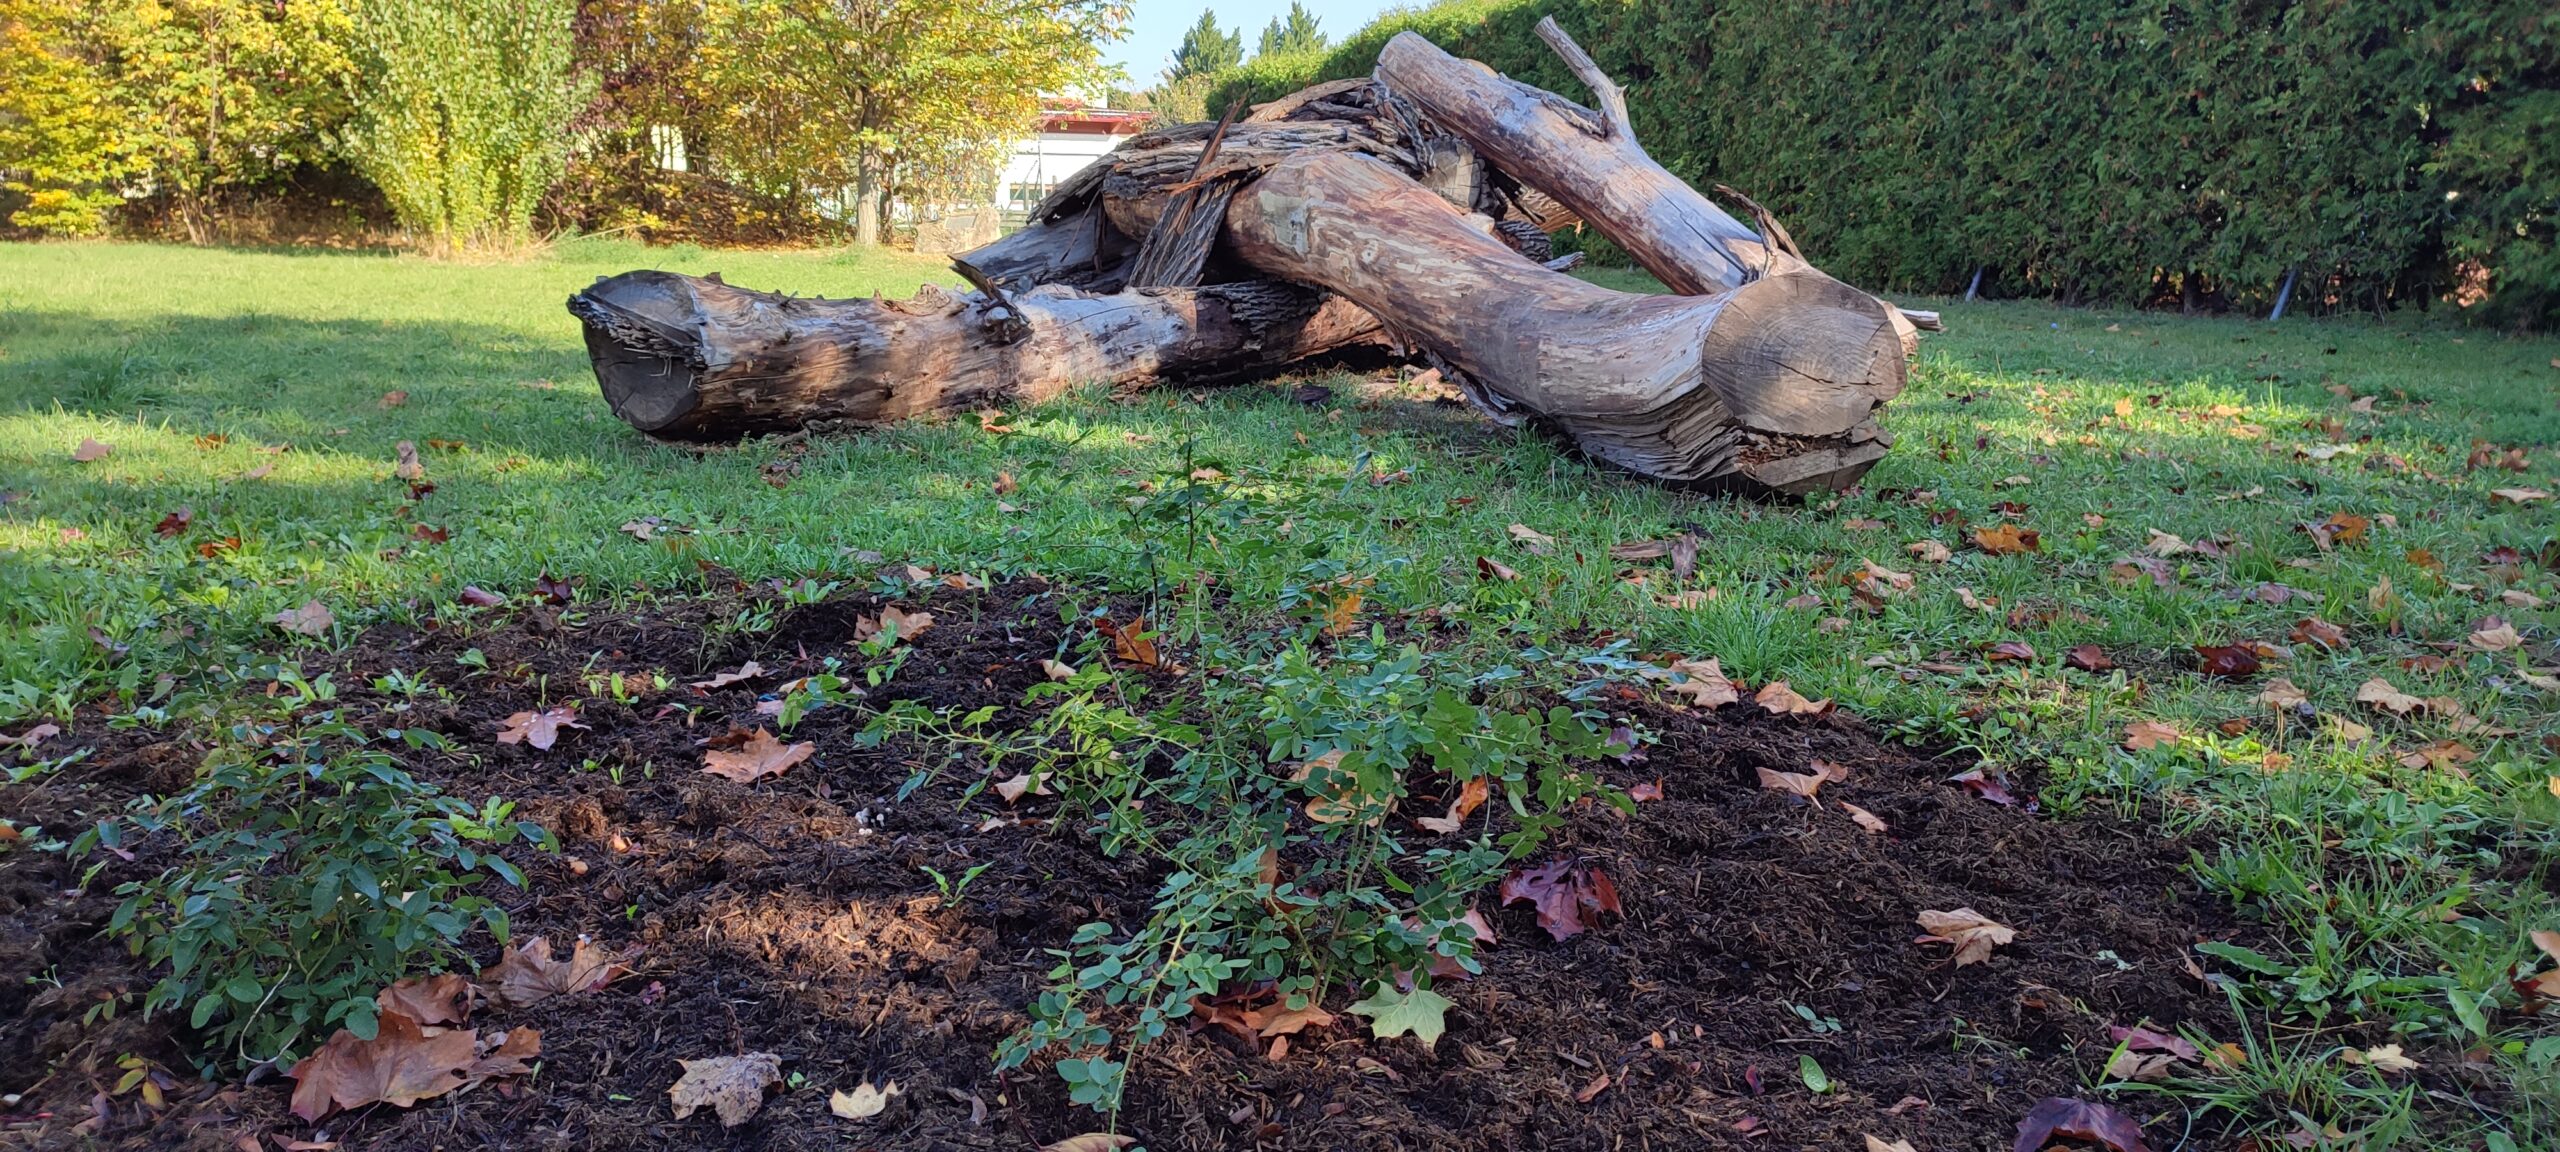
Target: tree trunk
687	358
1771	385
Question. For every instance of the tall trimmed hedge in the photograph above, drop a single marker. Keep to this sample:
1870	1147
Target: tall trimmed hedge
2087	150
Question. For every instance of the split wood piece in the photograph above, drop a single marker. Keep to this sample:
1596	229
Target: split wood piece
688	358
1767	386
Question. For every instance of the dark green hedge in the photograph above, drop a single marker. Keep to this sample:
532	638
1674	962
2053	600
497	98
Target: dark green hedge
2393	150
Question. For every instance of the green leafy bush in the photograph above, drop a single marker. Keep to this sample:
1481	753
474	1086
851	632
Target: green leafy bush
311	873
2390	150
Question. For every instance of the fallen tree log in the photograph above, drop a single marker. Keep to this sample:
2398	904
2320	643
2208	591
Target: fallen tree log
689	358
1421	199
1758	387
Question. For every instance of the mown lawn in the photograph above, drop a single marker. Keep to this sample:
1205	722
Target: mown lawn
2337	471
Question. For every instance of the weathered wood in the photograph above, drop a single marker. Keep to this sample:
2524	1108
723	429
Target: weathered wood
1768	385
685	358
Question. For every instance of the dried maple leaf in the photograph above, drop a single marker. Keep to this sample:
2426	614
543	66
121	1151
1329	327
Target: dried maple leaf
1879	581
1342	617
2078	1120
1568	894
2227	661
1781	700
2007	539
400	1066
526	974
864	1102
1929	551
2133	570
1132	642
2385	1058
1471	796
1488	568
762	755
2087	658
539	729
312	619
444	998
1021	784
2146	734
902	626
175	523
1645	792
2164	544
1873	823
747	671
1973	934
2379	693
2443	756
1803	785
732	1086
1703	682
1538	543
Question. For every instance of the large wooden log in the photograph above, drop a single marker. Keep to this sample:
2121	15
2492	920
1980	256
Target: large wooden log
1771	385
689	358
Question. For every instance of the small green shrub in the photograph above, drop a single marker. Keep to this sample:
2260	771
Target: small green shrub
311	873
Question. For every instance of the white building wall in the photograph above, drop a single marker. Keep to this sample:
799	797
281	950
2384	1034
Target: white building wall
1041	162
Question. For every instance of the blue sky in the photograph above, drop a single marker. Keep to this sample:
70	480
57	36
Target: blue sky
1156	27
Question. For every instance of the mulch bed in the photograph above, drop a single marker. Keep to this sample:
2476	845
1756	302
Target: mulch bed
792	916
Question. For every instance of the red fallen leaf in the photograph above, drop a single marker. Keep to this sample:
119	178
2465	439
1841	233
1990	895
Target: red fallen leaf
1987	787
2018	650
2427	664
1643	792
2088	658
2229	661
1568	894
2079	1120
212	548
175	523
556	591
540	729
479	597
1751	1079
431	535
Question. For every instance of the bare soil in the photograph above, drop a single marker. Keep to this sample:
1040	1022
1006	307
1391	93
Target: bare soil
793	916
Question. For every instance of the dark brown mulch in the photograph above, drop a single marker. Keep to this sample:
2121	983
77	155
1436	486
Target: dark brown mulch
793	916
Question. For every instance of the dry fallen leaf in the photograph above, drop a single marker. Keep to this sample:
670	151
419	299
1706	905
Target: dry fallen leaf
400	1066
1929	551
747	671
2494	635
2143	734
1091	1142
864	1102
1973	934
2227	661
539	729
1568	894
2087	658
2006	539
2079	1120
2164	544
1538	543
2508	495
2443	756
2384	1058
902	625
1781	700
90	451
444	998
1878	1144
1132	642
526	974
1704	683
1471	796
312	619
1057	670
2314	630
2379	693
732	1086
2280	693
1863	818
1488	568
1803	785
762	755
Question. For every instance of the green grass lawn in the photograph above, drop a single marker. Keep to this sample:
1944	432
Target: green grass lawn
262	395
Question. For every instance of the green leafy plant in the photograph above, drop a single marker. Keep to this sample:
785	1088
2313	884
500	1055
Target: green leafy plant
310	873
